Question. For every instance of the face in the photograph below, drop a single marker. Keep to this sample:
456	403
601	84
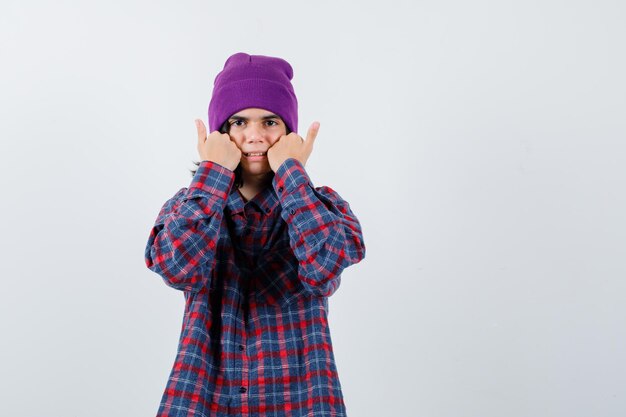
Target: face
255	130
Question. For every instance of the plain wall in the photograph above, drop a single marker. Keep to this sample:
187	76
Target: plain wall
481	145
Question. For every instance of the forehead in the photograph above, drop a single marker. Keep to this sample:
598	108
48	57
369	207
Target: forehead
255	112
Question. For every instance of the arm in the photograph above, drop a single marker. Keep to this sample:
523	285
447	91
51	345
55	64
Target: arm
182	243
324	234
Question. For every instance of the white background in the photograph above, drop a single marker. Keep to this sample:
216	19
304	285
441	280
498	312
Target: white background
481	145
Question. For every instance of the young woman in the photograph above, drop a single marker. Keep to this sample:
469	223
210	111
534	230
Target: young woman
257	250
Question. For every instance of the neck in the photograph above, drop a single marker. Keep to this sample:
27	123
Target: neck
253	183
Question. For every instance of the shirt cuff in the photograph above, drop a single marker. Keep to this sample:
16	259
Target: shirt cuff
213	178
289	176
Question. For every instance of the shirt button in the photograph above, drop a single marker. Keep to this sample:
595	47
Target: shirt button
267	210
292	211
240	347
242	389
280	189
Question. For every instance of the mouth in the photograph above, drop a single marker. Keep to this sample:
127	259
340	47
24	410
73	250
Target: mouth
255	156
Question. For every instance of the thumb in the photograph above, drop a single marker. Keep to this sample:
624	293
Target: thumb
312	134
201	131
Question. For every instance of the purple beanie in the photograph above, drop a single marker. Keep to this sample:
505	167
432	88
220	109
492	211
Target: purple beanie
253	81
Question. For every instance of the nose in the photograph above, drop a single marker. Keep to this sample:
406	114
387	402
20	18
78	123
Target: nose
254	132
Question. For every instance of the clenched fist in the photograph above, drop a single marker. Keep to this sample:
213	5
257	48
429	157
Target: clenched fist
217	147
292	146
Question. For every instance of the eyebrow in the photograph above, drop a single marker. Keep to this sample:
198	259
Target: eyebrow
269	116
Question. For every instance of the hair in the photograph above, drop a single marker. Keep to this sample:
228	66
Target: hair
225	128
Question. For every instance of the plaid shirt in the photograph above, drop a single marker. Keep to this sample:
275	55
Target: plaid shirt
256	278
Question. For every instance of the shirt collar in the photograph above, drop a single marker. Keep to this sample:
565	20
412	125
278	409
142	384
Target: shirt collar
264	200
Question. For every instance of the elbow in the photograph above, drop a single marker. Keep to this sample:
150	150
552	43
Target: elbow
320	284
321	274
180	278
355	249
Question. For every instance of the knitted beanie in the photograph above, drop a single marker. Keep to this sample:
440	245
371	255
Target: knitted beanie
253	81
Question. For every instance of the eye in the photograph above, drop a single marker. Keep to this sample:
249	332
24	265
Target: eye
234	122
273	121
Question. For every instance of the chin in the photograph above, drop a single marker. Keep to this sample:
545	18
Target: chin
257	169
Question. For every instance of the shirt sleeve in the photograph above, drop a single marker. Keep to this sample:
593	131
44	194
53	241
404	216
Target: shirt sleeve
324	233
182	243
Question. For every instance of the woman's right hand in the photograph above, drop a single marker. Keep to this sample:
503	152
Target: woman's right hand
217	147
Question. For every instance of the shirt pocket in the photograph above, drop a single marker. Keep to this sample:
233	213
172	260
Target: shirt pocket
275	278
